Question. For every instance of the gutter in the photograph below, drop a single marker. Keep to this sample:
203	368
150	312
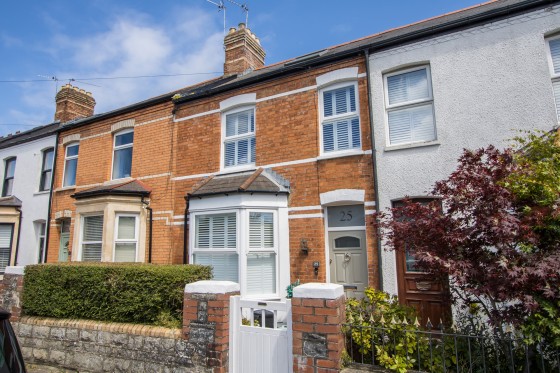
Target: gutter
375	183
147	204
49	210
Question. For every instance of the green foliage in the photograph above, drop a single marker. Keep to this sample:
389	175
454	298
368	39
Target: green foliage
136	293
290	289
544	324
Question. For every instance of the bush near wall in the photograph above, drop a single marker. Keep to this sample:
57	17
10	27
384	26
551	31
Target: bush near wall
135	293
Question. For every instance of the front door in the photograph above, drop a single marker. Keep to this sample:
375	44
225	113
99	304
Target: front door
63	248
348	263
422	291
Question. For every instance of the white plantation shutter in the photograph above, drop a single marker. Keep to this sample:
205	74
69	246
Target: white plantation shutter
213	233
261	230
411	115
92	237
344	133
5	245
239	145
556	88
225	266
555	55
261	273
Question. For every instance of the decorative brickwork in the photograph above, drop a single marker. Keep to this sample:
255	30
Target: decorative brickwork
206	322
318	311
243	51
73	103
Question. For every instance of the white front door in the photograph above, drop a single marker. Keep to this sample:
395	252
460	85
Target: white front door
348	261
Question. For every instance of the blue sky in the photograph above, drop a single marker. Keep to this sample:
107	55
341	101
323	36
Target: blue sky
81	40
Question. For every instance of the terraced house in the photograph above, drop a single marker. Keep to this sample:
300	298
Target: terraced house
265	173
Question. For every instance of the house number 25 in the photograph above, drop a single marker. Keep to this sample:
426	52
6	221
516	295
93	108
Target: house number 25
346	215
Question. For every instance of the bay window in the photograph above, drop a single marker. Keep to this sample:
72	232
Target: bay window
126	238
6	236
410	107
92	238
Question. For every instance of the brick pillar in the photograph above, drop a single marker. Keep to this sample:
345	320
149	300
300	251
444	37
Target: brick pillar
206	322
318	312
11	289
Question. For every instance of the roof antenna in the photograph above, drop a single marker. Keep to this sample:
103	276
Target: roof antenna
244	9
54	79
221	7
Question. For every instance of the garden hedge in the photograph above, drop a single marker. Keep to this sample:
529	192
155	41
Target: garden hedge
135	293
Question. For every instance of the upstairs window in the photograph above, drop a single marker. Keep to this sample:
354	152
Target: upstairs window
92	238
239	138
122	154
410	106
340	121
46	170
554	58
9	171
70	165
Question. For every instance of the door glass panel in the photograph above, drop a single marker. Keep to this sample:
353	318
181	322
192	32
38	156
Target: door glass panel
347	242
346	216
411	262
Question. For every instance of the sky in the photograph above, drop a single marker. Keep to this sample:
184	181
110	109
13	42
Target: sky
105	46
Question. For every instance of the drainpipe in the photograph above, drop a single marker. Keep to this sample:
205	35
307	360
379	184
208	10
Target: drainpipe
48	222
185	229
18	234
150	229
375	183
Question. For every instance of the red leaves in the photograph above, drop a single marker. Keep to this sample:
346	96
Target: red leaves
489	243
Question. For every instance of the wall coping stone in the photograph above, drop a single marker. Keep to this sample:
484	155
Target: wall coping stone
137	329
212	287
317	290
14	270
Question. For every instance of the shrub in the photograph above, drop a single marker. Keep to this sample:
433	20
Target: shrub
137	293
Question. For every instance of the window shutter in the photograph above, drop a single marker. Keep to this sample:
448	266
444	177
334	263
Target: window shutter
93	228
253	150
409	86
327	104
127	228
413	124
556	88
216	231
341	100
243	151
125	252
328	137
5	246
91	252
225	265
342	140
261	273
355	124
555	54
261	230
229	154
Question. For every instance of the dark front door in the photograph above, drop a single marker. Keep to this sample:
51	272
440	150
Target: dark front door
422	291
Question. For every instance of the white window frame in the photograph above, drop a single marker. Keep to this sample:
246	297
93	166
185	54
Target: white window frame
6	177
335	117
46	168
68	158
41	234
120	147
82	227
555	77
249	250
116	239
248	165
408	104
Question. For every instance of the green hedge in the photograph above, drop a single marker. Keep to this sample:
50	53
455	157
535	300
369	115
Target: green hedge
136	293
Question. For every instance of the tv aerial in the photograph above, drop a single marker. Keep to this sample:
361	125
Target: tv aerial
222	7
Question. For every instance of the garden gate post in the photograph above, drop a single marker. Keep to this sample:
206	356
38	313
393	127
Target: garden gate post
206	322
11	289
318	312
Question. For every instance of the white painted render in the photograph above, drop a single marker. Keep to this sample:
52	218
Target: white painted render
27	176
488	82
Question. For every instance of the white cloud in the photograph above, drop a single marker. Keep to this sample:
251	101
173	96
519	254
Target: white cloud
132	44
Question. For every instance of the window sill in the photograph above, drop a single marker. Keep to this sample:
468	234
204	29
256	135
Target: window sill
232	170
63	189
411	145
346	153
41	192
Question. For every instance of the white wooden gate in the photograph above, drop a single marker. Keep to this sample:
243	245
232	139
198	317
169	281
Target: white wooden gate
264	345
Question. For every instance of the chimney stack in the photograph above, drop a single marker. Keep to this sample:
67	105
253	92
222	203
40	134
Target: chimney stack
243	51
73	103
